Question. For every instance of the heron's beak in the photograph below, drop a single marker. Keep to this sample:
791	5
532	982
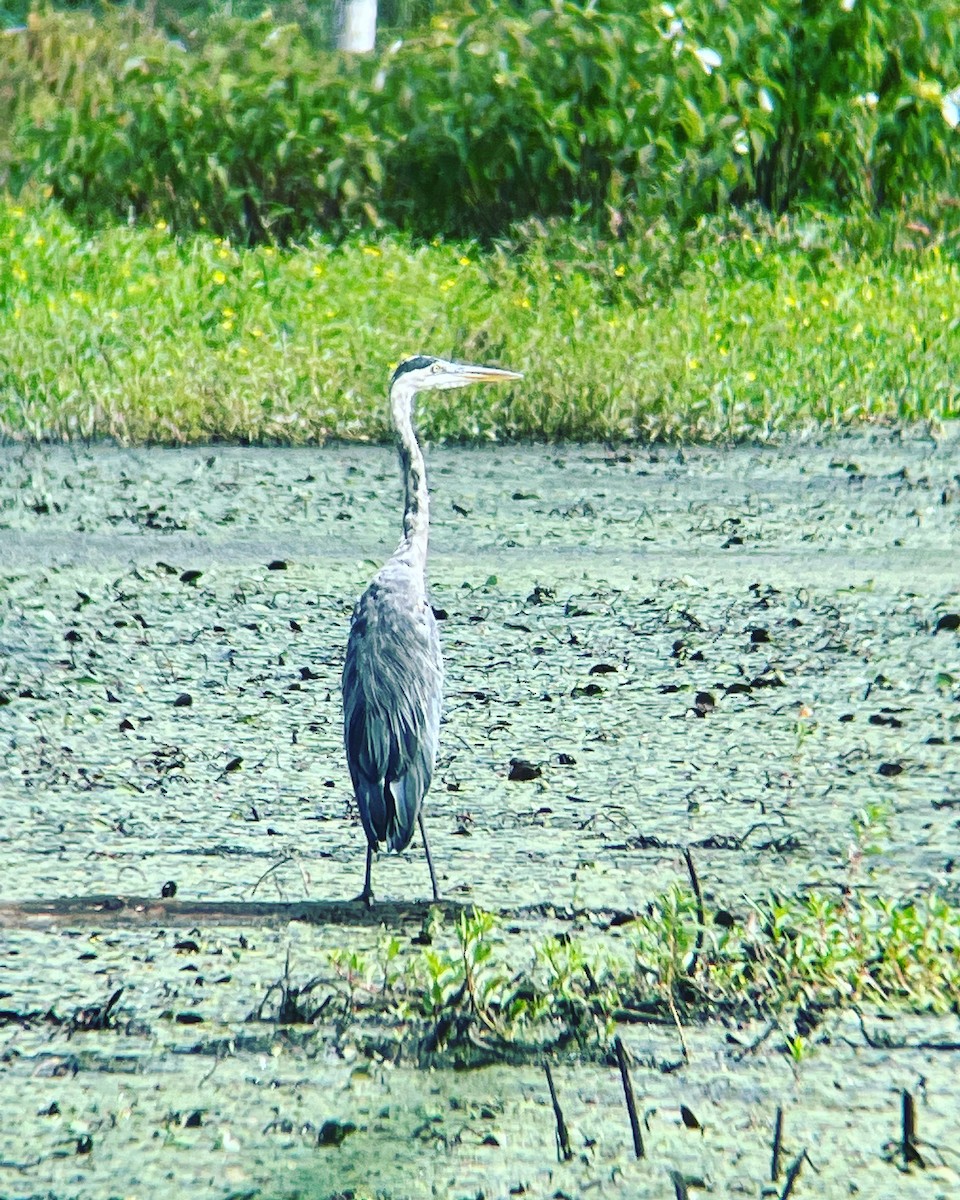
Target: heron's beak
472	374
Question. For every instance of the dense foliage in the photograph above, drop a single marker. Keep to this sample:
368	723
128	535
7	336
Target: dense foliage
740	328
623	110
316	18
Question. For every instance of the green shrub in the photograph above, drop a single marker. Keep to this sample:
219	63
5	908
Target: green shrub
227	136
624	111
315	17
859	94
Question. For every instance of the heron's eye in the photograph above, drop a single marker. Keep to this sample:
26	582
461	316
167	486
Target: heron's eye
437	368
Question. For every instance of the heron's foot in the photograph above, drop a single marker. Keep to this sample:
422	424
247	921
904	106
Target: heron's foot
365	897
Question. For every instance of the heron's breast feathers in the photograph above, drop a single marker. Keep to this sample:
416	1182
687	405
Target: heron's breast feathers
395	645
392	688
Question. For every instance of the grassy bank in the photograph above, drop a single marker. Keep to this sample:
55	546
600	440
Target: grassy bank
740	329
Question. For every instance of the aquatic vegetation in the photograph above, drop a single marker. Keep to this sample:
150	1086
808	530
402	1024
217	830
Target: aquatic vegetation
474	995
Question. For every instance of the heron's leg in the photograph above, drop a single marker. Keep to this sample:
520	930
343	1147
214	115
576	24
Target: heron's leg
366	896
426	847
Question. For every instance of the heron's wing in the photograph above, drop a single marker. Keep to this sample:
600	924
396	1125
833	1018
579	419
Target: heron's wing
392	689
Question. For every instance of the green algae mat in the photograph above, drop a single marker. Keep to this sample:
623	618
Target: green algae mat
732	674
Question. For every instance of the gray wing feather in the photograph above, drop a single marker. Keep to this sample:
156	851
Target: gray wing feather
392	692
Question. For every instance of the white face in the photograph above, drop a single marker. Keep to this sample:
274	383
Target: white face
439	374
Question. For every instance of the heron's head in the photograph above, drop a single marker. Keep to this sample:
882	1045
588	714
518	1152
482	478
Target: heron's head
423	373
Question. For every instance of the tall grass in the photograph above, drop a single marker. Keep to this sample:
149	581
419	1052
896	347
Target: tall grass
742	329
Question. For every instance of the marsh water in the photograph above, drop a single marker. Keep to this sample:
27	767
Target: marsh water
750	653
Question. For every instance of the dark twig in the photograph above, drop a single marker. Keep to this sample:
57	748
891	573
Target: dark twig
793	1173
777	1145
908	1140
695	884
96	1017
628	1096
679	1185
564	1153
756	1043
676	1020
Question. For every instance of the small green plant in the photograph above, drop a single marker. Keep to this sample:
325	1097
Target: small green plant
797	1047
468	977
579	988
871	827
666	939
391	969
485	981
468	991
352	970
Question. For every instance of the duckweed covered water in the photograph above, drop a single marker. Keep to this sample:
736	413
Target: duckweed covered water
749	653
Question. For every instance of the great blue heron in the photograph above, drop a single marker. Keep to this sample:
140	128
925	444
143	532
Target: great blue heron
393	673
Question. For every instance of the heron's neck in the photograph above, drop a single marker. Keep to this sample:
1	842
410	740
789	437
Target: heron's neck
416	502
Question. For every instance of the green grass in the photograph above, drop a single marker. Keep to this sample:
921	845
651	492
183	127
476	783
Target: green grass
789	960
740	329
